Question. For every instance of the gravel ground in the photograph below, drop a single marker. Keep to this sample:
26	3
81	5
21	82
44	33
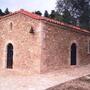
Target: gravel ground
82	83
11	80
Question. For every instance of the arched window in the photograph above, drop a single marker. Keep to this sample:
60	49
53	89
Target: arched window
73	54
31	30
9	55
11	26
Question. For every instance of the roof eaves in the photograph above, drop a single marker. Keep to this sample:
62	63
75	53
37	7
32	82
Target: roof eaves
66	25
37	17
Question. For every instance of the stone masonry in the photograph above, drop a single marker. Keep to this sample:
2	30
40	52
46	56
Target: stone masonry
46	48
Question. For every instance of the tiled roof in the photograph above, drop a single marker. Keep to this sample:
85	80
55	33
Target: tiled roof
37	17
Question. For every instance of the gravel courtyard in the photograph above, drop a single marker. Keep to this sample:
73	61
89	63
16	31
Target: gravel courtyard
10	80
82	83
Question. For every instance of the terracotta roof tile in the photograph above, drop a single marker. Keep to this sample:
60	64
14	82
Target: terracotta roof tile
35	16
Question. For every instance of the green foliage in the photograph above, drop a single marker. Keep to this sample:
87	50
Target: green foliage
66	16
46	14
73	10
6	11
52	15
55	15
38	13
1	13
58	16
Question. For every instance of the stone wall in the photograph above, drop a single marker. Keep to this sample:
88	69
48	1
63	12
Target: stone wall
56	49
47	49
26	45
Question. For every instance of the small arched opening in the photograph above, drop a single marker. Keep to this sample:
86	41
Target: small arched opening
9	55
73	54
11	26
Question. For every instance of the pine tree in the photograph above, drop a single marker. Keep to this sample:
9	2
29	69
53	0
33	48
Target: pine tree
6	11
53	14
78	9
66	16
38	13
46	14
1	13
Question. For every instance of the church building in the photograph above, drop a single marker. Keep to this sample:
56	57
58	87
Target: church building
38	44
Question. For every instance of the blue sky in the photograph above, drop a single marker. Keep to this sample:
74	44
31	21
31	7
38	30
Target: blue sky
31	5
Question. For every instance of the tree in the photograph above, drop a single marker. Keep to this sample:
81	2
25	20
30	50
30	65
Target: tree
1	13
78	9
38	13
6	11
66	16
84	19
46	14
53	14
58	16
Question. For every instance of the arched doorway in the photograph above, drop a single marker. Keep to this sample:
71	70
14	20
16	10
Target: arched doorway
73	54
9	55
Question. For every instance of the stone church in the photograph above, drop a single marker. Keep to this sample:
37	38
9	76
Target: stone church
37	44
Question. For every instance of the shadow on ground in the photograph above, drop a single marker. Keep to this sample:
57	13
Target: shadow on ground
82	83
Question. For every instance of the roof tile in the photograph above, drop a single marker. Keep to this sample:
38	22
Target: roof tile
37	17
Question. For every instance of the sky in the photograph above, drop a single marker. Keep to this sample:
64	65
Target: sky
30	5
